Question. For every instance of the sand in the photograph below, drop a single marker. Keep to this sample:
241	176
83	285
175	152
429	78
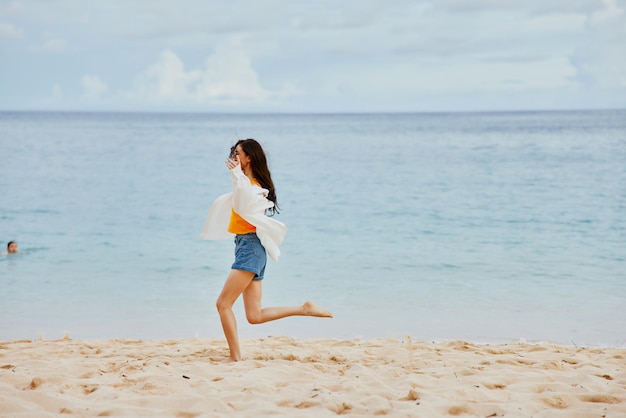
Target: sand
309	378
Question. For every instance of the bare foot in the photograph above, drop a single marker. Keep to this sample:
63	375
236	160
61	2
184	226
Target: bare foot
311	309
229	360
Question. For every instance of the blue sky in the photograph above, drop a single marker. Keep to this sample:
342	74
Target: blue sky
312	56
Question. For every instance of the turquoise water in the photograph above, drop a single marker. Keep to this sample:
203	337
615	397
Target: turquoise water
487	227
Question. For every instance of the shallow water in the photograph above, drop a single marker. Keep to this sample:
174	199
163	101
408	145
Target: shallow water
477	226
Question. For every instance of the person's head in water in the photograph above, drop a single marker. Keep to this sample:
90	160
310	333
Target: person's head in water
12	247
251	157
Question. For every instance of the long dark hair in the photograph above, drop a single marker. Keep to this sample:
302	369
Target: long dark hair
260	170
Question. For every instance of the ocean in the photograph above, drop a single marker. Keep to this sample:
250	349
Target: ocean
484	227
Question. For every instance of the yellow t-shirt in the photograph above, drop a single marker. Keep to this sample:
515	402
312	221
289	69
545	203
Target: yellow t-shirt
237	224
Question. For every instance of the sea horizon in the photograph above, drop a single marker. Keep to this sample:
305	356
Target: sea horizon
316	113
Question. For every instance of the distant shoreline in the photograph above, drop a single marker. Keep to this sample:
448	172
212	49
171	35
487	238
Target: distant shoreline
343	113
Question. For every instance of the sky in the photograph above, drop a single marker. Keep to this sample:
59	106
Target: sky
312	56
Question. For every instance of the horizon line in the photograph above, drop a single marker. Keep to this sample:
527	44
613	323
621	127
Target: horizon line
296	113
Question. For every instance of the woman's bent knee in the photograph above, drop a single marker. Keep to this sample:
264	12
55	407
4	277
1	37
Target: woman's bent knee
254	317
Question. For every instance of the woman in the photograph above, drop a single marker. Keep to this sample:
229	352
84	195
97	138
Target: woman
243	213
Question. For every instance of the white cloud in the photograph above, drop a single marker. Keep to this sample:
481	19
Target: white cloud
531	7
610	11
10	9
54	45
57	91
93	86
51	44
9	31
166	80
226	78
601	61
463	77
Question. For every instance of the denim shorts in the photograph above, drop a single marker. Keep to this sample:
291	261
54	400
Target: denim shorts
250	255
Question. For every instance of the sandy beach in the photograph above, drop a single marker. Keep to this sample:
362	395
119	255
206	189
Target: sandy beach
281	376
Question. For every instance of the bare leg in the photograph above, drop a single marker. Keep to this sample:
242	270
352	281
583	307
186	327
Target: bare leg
258	315
236	283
